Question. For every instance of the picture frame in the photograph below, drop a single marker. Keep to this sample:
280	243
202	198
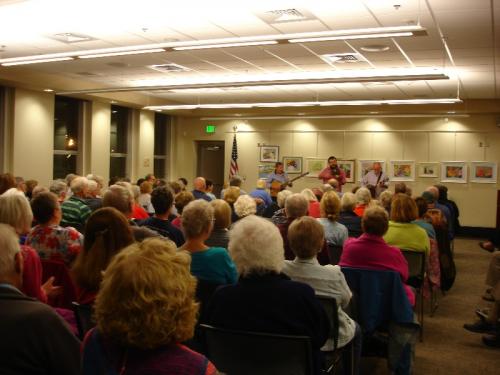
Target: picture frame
428	169
314	166
365	166
454	172
483	172
401	170
292	164
265	169
269	154
348	166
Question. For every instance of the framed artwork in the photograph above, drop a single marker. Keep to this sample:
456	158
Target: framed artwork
292	164
365	166
348	167
428	169
269	153
314	166
483	172
454	171
401	170
265	169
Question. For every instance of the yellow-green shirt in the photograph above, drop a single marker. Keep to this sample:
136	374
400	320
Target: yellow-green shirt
407	236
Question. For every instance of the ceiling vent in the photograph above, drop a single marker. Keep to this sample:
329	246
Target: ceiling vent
286	15
169	68
71	38
344	58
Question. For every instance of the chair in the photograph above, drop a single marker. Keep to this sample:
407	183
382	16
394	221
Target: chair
84	321
250	353
204	291
60	272
334	252
416	276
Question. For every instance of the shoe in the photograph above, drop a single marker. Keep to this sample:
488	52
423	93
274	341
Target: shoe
492	340
480	327
488	297
487	245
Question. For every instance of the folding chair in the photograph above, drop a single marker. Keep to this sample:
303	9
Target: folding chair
416	268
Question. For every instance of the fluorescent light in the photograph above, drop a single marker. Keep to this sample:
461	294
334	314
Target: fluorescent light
48	90
123	53
350	37
331	103
226	45
26	62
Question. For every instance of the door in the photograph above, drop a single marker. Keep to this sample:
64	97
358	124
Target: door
210	163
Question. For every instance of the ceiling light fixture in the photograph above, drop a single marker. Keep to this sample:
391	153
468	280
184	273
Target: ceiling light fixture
226	45
350	37
124	53
37	61
48	90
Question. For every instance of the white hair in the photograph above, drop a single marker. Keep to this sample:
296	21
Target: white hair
309	195
9	247
363	195
58	187
197	218
296	205
256	246
282	196
244	206
15	210
13	191
136	190
98	179
348	201
78	184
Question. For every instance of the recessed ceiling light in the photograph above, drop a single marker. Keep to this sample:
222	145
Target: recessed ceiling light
48	90
113	102
375	48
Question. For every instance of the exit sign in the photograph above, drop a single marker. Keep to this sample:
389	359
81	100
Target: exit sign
210	129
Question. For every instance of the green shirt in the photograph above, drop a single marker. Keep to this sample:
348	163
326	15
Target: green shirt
74	213
407	236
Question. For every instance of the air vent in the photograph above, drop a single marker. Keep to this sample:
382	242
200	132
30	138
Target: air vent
71	38
169	68
286	15
344	58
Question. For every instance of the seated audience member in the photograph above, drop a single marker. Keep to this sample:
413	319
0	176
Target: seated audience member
144	198
100	183
402	233
363	199
334	184
244	206
134	334
278	215
21	184
264	299
121	198
106	233
15	211
444	209
210	188
175	186
231	194
150	178
162	199
306	237
35	340
385	199
347	216
235	181
296	206
30	185
59	188
199	188
74	210
211	264
328	187
335	233
370	251
48	238
262	193
7	181
313	209
421	219
37	190
183	182
222	215
318	193
452	206
93	200
138	212
181	200
400	188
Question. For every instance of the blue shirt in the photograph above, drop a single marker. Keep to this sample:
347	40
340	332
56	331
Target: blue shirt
282	178
262	194
201	195
214	265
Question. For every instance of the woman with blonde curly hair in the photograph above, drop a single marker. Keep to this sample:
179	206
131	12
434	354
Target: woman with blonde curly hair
144	310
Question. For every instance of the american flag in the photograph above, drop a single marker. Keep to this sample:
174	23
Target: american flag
233	170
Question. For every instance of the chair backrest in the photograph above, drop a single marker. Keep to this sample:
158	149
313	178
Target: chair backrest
62	278
204	291
334	252
250	353
416	267
83	315
331	309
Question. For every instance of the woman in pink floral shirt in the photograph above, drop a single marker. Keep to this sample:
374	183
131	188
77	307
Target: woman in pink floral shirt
50	240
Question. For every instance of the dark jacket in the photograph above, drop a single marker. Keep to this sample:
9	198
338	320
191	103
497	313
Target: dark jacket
35	340
164	228
352	222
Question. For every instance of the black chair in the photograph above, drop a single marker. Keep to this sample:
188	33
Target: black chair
334	253
84	319
251	353
416	275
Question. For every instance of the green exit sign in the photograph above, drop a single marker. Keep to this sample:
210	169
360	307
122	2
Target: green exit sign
210	129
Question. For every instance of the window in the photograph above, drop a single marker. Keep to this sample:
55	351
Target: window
67	120
120	118
162	123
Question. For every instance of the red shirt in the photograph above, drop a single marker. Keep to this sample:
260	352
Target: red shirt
139	213
326	174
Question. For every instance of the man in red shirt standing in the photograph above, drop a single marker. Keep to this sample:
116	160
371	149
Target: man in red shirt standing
333	171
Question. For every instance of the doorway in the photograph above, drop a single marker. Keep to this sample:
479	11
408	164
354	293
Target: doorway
210	163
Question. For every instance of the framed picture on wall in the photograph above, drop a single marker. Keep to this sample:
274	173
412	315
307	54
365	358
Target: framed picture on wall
265	169
292	164
454	171
401	170
269	153
314	166
428	169
365	166
348	166
483	172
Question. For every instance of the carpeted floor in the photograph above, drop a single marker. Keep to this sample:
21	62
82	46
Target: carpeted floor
447	347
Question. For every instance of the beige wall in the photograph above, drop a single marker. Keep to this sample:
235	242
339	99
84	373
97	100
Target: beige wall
100	139
146	144
419	139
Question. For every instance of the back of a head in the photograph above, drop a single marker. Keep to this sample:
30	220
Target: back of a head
199	184
197	218
282	197
118	197
256	246
162	199
443	192
348	202
385	198
143	272
429	197
7	181
375	221
9	247
363	196
235	181
69	178
222	213
175	186
296	205
98	179
421	206
43	206
309	195
245	205
261	184
15	210
146	187
434	191
78	185
58	187
231	194
306	236
182	199
400	187
333	183
136	191
330	206
403	209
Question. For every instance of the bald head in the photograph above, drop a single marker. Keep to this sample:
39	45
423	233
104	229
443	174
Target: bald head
434	191
333	183
199	184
